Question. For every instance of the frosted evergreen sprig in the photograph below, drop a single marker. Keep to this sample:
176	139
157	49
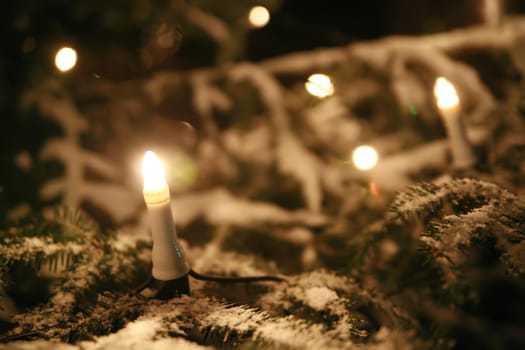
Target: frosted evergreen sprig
36	252
108	312
424	198
79	258
451	237
322	296
45	244
462	212
113	265
220	323
84	264
128	320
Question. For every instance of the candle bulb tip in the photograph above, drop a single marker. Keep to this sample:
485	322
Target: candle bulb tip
445	93
153	172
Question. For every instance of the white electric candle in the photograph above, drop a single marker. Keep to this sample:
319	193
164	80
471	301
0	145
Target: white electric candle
448	102
168	257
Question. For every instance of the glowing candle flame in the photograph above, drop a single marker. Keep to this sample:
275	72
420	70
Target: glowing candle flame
319	85
448	102
445	93
65	59
153	172
259	16
364	157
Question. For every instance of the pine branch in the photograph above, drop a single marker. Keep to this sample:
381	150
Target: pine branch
463	194
221	323
480	212
80	261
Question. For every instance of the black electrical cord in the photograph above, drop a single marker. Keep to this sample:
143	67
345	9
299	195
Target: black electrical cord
219	279
222	279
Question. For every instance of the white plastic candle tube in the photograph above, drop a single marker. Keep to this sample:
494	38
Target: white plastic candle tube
168	257
450	109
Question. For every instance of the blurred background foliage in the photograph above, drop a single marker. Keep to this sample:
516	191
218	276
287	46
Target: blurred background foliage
120	40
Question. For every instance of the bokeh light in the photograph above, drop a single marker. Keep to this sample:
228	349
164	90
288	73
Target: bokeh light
364	157
65	59
319	85
445	93
259	16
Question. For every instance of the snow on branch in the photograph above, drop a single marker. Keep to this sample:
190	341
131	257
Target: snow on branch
292	157
434	50
481	211
218	206
212	25
424	197
73	186
72	252
207	98
224	323
393	172
379	52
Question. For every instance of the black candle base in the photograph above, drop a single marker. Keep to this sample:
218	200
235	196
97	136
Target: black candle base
173	288
165	290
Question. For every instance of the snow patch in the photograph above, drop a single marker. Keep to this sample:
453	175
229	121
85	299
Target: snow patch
318	297
130	337
63	299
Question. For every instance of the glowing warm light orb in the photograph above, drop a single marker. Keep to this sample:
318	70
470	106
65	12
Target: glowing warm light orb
259	16
445	93
65	59
319	85
364	157
153	172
